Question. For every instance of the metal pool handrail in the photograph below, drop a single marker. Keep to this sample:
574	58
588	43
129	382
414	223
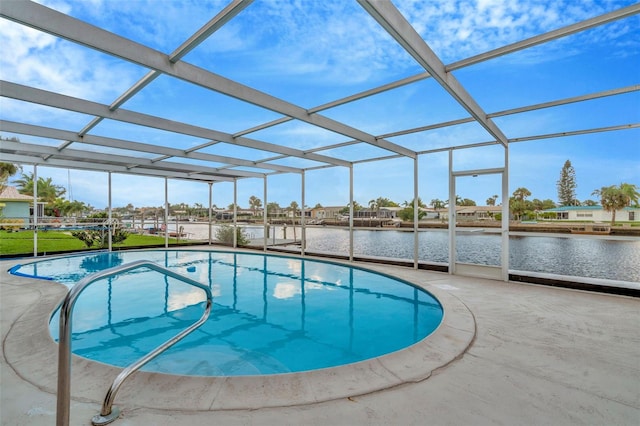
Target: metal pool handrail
109	413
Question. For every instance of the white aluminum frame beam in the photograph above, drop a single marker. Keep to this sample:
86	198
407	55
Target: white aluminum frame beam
492	54
528	108
235	7
48	132
342	101
101	167
57	100
58	24
576	132
624	12
21	148
401	30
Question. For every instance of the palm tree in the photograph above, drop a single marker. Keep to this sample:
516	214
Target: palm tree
373	205
254	203
630	191
410	203
47	190
294	207
198	207
437	204
613	198
491	201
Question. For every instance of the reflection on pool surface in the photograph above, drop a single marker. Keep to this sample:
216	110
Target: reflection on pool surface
271	314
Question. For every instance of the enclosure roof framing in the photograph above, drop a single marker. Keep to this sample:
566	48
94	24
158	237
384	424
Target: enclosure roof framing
183	150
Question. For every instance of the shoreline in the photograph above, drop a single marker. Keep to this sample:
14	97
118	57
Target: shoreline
546	228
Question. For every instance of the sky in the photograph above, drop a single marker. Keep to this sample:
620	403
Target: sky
312	52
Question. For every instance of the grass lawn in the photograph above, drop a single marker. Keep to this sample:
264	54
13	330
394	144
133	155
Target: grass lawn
21	242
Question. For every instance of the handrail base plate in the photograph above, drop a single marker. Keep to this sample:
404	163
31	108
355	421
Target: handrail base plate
100	420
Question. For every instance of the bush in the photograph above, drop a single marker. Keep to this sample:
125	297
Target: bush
11	224
406	214
224	234
100	238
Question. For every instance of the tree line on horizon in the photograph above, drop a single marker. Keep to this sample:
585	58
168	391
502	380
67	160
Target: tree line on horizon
612	198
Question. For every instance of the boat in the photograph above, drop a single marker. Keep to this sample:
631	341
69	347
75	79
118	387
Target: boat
592	229
391	224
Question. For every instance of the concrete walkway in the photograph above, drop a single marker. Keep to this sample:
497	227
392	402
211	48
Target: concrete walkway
538	356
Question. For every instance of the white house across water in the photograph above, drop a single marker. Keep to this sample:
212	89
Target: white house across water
595	213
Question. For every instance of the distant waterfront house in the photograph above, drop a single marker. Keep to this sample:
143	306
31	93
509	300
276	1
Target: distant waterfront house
594	213
467	213
331	212
14	205
382	213
477	212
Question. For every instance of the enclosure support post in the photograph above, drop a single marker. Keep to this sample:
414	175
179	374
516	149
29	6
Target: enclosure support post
505	216
416	216
235	212
351	213
452	216
110	216
265	231
303	233
210	208
166	213
35	210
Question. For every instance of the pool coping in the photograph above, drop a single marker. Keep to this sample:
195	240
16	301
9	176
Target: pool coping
32	353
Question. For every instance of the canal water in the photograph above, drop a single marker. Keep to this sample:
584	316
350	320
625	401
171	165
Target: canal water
613	258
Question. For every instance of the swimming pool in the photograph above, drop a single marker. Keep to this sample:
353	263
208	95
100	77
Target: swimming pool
271	314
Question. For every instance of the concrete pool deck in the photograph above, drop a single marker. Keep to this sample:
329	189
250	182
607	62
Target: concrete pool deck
507	354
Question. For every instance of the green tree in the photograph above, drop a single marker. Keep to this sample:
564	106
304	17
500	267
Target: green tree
380	202
589	203
567	185
410	203
272	208
255	203
491	201
406	214
293	207
518	203
6	171
631	193
613	198
438	204
100	238
521	194
62	207
467	202
224	234
539	205
373	205
356	207
47	190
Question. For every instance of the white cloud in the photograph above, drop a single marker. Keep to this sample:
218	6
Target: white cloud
458	29
40	60
329	41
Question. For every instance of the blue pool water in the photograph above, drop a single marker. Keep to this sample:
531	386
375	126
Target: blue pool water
271	314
